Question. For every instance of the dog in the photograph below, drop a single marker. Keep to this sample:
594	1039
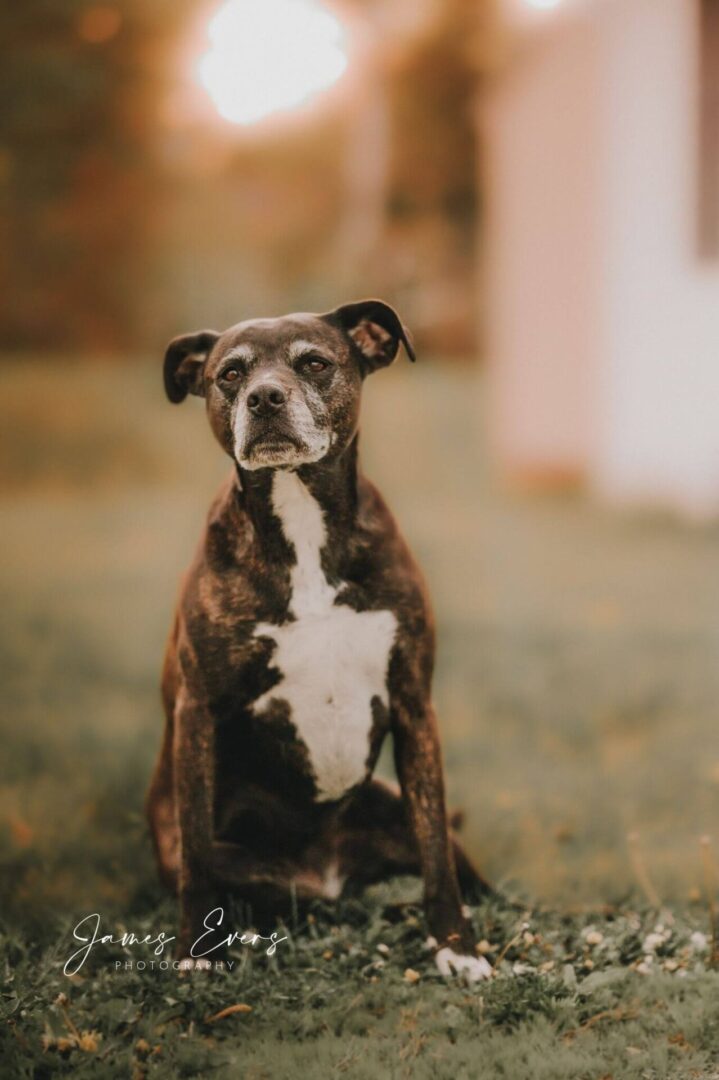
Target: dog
303	636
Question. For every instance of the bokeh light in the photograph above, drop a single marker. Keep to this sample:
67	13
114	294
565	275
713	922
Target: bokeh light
270	56
543	5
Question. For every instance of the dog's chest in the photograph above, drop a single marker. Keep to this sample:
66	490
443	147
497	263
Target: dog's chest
333	661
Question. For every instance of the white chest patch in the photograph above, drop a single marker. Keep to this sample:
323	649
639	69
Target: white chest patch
333	660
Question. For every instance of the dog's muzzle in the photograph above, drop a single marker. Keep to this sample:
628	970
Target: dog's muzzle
274	428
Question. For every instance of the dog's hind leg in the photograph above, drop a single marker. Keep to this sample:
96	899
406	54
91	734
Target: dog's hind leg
376	842
160	806
162	816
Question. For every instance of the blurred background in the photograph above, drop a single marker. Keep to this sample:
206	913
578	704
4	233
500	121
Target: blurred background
535	185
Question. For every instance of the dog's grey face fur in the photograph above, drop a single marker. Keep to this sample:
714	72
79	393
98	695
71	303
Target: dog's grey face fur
310	383
285	392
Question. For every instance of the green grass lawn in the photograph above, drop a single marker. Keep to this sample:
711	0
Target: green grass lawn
577	689
352	993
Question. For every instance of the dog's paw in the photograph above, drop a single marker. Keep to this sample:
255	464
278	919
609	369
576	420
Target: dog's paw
471	968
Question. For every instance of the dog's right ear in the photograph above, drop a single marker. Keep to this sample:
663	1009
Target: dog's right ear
184	363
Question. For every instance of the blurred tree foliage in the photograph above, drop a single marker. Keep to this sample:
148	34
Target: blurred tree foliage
124	217
432	195
77	84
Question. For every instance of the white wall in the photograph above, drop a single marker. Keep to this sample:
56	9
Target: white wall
603	323
542	252
659	392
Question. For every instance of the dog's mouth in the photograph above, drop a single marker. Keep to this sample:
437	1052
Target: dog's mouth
272	450
271	442
278	444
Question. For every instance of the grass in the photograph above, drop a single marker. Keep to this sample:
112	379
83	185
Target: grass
351	992
577	688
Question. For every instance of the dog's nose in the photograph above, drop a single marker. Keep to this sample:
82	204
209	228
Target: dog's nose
266	399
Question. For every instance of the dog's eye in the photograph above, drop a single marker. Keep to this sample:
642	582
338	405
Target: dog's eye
315	364
231	374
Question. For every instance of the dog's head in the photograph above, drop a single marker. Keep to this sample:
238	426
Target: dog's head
286	392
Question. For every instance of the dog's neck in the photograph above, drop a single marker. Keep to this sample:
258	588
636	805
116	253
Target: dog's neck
331	483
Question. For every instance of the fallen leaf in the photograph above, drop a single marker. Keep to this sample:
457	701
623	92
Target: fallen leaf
22	834
229	1011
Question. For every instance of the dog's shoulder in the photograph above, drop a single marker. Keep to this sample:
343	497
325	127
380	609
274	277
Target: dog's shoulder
392	560
375	520
218	579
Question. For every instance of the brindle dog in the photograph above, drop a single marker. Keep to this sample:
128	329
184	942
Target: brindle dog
303	636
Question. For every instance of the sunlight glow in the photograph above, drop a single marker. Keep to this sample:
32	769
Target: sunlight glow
269	56
544	5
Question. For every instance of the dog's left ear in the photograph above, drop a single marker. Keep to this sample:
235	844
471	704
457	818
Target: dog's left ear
376	330
184	364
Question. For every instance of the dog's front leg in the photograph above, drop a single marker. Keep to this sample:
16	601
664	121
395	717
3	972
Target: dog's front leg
418	761
194	799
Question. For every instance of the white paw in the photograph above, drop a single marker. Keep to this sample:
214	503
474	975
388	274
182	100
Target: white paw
472	968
